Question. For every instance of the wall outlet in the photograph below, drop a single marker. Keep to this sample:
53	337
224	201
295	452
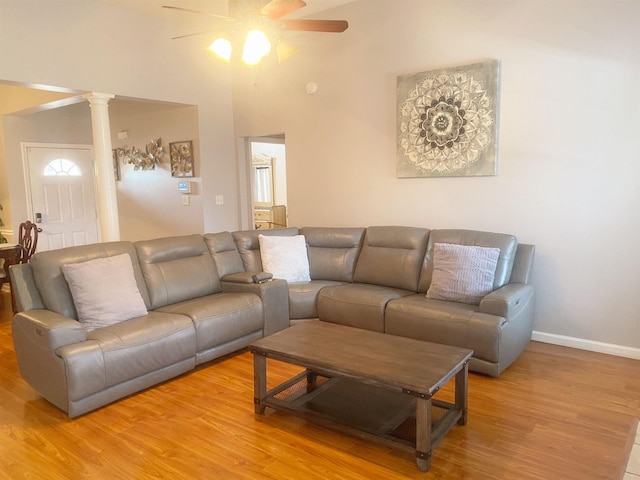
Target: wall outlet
186	200
219	200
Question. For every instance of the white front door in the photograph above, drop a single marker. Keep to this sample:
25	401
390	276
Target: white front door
61	194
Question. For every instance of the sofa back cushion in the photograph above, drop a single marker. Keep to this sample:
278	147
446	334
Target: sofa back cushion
224	252
506	243
333	252
392	256
248	245
176	269
54	289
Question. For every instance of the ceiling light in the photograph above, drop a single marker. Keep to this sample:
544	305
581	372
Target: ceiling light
222	48
256	46
285	50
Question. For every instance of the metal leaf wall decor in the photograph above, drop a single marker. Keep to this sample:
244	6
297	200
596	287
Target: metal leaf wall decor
154	151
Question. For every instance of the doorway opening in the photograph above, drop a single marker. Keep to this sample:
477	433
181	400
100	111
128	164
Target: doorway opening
267	167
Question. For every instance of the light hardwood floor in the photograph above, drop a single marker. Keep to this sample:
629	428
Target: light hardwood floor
557	413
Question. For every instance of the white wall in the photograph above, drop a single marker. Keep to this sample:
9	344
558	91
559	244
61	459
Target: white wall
149	204
85	45
568	152
13	99
66	125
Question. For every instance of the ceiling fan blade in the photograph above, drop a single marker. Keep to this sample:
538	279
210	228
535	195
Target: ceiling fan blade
202	12
303	25
279	8
192	34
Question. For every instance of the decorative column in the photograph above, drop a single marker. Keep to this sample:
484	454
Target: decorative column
106	183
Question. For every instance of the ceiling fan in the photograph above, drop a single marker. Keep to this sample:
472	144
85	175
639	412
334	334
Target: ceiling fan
260	23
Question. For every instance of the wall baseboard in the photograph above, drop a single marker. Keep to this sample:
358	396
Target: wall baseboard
590	345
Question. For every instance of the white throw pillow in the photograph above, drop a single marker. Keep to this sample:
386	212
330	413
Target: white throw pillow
104	291
462	273
285	257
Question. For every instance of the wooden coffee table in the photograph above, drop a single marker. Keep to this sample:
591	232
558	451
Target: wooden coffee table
368	384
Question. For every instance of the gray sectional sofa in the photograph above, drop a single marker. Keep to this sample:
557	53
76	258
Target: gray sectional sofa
206	296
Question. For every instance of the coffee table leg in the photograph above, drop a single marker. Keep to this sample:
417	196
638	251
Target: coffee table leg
312	378
259	381
462	379
423	433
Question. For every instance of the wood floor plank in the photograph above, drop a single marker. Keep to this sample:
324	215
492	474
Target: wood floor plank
556	413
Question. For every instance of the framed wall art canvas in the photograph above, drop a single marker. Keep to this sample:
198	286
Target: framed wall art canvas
448	121
181	154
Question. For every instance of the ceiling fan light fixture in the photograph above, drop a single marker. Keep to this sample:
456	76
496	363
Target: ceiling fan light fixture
256	46
246	15
285	50
222	48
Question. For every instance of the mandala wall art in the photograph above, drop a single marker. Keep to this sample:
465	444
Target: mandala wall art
447	121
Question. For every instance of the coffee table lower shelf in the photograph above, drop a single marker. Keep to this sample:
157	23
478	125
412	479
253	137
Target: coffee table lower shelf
367	411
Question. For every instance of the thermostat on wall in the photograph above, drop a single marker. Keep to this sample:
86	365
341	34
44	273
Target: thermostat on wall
184	187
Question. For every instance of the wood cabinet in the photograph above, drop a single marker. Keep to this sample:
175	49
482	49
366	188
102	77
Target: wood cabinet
270	217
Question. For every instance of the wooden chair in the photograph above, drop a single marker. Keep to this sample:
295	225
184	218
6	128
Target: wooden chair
28	239
27	243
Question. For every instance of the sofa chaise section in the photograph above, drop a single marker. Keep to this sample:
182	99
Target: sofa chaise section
497	328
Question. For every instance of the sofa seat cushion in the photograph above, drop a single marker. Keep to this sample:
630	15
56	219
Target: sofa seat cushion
221	317
303	297
127	350
449	323
357	305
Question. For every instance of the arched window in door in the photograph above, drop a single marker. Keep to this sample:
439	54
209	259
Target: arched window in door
62	167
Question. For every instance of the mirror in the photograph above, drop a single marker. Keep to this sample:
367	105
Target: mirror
262	180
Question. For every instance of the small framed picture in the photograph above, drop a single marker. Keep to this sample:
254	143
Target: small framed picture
181	154
116	165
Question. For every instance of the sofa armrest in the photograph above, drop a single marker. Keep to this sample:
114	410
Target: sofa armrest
24	288
247	277
275	301
38	336
507	301
47	330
